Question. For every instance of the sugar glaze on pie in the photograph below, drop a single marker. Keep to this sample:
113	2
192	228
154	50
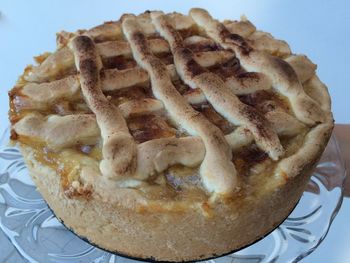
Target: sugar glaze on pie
169	136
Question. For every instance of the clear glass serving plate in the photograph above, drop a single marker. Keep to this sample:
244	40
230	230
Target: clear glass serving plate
37	236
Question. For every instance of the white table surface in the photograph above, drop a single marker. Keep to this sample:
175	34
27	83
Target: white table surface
320	29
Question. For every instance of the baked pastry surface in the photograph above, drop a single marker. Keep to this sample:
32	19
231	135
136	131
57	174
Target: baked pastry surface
168	136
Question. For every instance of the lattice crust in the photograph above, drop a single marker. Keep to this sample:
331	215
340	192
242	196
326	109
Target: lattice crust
218	154
282	75
154	91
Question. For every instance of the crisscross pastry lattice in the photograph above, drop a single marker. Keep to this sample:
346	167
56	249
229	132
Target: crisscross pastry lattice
151	92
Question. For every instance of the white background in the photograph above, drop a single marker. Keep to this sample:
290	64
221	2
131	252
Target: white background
320	29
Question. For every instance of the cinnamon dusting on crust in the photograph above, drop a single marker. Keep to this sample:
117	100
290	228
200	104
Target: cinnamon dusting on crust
57	65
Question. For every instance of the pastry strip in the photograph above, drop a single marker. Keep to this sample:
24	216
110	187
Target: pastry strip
119	148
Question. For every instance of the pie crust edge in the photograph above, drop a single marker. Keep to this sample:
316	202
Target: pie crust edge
193	236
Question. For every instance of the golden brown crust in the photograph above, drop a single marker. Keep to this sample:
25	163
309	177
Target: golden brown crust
157	131
119	149
216	92
148	235
217	171
282	75
89	63
314	143
59	131
285	79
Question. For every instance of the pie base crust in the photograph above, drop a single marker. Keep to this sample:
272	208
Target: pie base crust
190	236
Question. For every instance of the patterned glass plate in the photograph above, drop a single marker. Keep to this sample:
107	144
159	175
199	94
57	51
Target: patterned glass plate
37	236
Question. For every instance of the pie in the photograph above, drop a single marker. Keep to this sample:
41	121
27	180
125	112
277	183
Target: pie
171	137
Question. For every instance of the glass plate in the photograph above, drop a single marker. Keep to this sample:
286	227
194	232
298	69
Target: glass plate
37	236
